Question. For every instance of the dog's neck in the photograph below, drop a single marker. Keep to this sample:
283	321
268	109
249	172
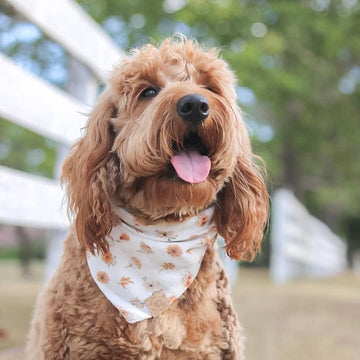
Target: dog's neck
185	226
172	218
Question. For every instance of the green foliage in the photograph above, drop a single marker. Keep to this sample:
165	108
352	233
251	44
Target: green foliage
12	252
25	150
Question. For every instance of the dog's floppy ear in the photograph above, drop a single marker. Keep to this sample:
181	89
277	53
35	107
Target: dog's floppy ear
242	210
84	173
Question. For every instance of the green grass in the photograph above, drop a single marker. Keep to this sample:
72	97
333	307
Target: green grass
304	320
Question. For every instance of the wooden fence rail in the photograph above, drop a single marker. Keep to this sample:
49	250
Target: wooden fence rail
41	107
35	104
65	22
29	200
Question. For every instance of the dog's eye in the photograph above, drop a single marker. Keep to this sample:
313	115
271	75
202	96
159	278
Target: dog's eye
212	89
149	92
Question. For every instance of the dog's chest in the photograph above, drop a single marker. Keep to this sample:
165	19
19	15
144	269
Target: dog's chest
190	329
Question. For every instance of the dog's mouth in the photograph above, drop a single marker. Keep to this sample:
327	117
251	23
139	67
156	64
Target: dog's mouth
190	160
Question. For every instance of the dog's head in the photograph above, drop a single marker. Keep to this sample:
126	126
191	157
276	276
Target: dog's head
166	141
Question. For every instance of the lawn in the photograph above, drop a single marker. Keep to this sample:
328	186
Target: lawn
304	320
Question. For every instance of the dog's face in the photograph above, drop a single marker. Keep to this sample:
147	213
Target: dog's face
177	129
165	141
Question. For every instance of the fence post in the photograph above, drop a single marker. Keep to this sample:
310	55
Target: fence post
301	245
278	265
82	85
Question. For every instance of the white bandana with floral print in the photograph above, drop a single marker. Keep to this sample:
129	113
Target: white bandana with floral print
148	267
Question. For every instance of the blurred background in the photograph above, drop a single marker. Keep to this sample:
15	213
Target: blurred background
298	69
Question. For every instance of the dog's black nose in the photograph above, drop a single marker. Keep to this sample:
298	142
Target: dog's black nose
193	108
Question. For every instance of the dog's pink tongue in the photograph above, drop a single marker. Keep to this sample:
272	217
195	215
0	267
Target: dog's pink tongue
191	167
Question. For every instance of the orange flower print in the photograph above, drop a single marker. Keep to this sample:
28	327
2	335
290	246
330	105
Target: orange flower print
203	220
145	249
174	250
168	266
124	237
107	258
188	279
135	262
125	281
102	277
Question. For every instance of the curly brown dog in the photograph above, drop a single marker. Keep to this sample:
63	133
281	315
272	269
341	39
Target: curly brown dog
165	148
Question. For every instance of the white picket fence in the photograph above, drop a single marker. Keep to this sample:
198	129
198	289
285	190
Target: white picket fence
301	245
26	100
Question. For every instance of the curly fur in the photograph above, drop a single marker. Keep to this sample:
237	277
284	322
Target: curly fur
123	160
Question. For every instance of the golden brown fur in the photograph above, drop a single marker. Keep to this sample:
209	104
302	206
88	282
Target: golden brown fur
123	160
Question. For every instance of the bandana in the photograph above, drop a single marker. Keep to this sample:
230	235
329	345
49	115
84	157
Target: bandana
148	267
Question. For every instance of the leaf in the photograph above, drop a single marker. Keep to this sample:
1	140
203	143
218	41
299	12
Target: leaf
146	249
124	281
136	262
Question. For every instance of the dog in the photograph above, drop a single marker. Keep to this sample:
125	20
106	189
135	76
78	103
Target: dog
165	165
